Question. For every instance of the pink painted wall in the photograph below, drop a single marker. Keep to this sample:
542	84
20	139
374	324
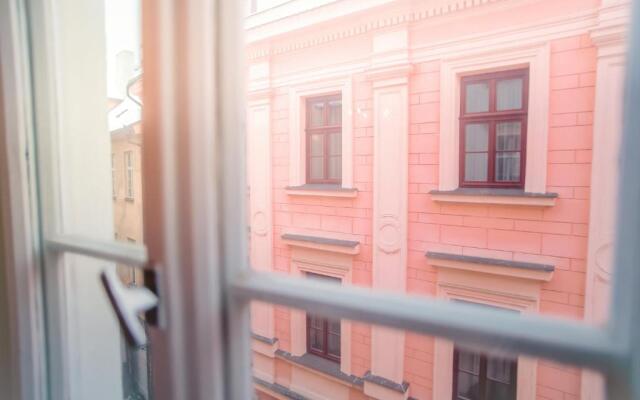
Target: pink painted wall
554	235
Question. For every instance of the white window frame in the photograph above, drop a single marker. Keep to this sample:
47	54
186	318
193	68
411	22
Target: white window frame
113	175
207	289
128	175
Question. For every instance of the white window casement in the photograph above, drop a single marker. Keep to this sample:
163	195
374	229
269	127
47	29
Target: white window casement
193	80
128	169
536	59
113	176
501	284
298	96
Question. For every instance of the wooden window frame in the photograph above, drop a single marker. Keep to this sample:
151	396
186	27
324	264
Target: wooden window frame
325	338
482	376
325	328
492	117
325	130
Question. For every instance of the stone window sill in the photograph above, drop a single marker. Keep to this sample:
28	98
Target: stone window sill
321	243
515	197
321	190
492	266
322	365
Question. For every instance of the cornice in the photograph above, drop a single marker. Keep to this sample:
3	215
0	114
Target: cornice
259	95
387	72
612	25
381	22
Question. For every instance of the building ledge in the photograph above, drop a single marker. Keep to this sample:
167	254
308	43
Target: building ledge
321	190
275	388
383	388
516	197
493	266
264	345
322	365
321	243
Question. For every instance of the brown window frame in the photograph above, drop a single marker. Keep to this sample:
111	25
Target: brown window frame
324	353
492	117
325	130
482	377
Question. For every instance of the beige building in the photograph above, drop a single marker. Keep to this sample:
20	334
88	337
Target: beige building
125	128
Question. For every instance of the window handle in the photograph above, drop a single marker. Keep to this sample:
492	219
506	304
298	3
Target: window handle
128	303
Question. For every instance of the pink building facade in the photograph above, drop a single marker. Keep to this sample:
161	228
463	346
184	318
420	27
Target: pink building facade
456	149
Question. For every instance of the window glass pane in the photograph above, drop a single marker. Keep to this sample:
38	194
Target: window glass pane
508	135
335	167
316	338
335	144
317	144
499	369
499	391
509	94
316	168
334	345
476	137
335	112
468	386
475	167
334	326
507	166
477	97
316	114
469	361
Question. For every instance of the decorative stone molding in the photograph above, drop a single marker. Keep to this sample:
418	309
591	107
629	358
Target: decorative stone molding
350	247
260	201
513	197
509	285
320	190
493	266
319	256
260	31
389	74
264	345
610	36
322	365
379	387
276	390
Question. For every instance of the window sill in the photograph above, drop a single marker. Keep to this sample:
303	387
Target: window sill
321	243
321	190
321	365
515	197
129	199
264	345
492	266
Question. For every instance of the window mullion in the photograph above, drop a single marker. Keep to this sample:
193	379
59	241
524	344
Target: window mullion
491	159
482	377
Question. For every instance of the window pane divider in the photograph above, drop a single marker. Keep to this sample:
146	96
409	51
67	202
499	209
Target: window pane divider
553	338
125	253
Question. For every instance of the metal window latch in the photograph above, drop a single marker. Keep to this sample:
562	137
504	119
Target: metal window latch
129	302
